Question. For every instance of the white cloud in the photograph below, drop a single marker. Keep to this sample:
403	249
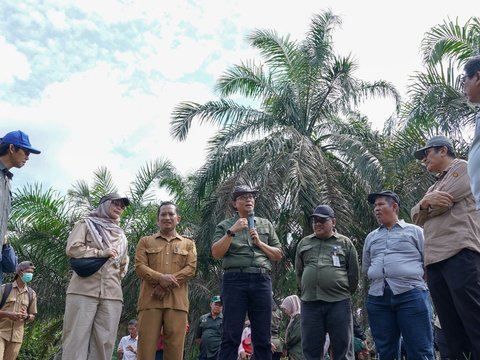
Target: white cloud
14	64
91	117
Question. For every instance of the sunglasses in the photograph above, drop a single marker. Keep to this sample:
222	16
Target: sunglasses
118	203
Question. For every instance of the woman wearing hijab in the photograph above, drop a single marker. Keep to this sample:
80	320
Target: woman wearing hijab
94	296
293	335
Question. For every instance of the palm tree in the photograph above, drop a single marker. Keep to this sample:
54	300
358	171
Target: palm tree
301	139
436	105
40	224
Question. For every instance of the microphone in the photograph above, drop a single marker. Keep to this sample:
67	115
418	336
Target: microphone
251	220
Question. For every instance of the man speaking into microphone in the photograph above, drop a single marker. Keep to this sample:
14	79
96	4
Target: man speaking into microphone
247	244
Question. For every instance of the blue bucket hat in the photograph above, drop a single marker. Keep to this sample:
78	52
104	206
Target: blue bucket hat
20	139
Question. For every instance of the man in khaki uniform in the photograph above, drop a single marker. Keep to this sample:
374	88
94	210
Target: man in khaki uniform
17	310
451	226
164	261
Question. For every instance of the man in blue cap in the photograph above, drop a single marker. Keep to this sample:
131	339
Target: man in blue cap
15	149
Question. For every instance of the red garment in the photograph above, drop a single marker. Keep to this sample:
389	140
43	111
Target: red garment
160	343
247	345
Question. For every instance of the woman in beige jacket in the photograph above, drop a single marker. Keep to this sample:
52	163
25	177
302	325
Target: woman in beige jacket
94	302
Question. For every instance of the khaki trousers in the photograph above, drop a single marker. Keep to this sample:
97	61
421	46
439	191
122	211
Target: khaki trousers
9	350
90	327
149	329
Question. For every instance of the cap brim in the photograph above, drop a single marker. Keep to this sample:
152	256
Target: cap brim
237	194
32	150
320	216
126	201
420	153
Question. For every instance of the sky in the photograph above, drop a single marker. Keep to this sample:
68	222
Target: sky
93	83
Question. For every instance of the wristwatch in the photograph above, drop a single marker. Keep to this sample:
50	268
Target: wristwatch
230	233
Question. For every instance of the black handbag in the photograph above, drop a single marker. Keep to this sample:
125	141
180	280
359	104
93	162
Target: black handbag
85	267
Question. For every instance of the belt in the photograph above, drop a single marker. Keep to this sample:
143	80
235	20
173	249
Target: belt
250	270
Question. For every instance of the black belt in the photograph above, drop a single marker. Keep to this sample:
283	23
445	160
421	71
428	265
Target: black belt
250	270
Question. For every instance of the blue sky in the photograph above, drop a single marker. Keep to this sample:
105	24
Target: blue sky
94	82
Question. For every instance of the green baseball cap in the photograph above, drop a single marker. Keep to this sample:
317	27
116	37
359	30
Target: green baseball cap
216	299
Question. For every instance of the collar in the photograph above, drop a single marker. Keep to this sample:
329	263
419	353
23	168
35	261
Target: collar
218	316
441	175
5	171
400	223
334	235
159	235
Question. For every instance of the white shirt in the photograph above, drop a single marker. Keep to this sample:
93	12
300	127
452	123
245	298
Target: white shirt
123	344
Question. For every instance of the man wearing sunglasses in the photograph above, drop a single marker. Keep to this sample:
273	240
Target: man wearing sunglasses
327	270
451	224
248	244
15	149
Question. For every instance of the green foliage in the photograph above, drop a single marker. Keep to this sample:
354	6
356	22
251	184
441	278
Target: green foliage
301	141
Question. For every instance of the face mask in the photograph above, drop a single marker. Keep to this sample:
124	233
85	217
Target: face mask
27	277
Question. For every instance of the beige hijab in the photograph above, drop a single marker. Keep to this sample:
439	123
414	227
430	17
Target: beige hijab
106	232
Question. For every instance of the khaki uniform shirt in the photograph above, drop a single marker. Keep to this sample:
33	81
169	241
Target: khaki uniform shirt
242	252
156	256
317	275
106	282
16	301
449	230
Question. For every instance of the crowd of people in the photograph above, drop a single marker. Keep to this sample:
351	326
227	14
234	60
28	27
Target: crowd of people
442	246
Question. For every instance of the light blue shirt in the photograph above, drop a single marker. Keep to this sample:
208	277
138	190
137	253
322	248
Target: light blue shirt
474	163
394	256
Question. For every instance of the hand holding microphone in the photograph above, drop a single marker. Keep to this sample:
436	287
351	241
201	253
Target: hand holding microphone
251	228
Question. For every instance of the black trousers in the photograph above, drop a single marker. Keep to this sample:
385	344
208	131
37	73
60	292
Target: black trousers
454	285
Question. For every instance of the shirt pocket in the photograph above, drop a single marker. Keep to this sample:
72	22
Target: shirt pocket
308	255
263	233
180	258
154	256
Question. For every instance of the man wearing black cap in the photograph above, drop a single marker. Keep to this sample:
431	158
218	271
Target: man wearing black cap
248	244
15	149
209	330
326	266
397	304
451	226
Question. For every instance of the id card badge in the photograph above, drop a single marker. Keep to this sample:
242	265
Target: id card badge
336	260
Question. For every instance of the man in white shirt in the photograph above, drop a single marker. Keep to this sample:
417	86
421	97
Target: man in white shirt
127	347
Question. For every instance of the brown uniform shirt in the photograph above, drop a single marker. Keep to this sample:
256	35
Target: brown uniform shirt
156	256
448	230
106	282
17	299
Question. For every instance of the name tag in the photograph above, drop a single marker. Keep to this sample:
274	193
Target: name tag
336	261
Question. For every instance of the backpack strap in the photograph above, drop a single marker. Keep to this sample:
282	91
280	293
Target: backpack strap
7	289
30	298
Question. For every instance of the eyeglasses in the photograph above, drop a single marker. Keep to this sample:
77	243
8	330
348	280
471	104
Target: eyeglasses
462	78
25	151
118	203
429	150
246	197
320	220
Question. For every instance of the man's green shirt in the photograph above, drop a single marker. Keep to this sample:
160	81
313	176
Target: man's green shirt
242	252
318	276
